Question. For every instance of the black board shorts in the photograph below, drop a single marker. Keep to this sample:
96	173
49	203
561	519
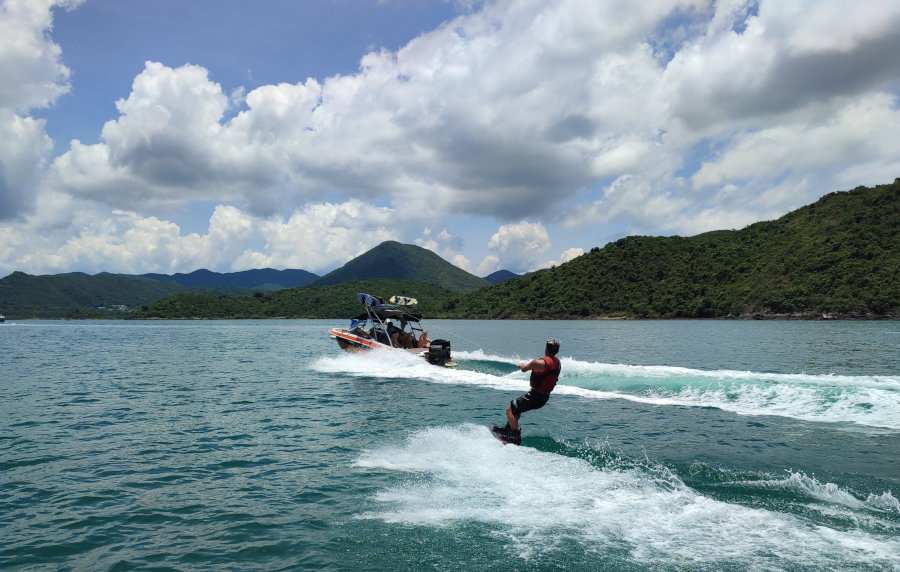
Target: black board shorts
534	399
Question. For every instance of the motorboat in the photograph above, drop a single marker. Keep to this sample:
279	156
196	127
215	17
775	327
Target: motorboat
391	325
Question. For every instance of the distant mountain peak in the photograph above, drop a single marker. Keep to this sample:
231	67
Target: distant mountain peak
397	261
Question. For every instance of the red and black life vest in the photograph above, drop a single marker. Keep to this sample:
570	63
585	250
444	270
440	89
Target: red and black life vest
545	381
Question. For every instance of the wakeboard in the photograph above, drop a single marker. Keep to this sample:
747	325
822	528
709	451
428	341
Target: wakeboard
498	434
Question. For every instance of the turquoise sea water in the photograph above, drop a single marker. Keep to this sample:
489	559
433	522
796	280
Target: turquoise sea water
259	445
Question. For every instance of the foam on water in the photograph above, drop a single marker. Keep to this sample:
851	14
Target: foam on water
537	501
392	364
871	401
625	374
862	400
885	501
801	486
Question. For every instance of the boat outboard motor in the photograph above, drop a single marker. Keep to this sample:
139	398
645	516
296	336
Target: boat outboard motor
438	352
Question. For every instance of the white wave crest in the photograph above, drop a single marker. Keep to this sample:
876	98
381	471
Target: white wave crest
885	501
805	485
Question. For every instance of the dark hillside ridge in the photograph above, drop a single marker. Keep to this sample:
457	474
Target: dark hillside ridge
501	276
261	279
838	257
397	261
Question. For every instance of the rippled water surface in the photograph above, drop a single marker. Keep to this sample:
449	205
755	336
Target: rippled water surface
233	445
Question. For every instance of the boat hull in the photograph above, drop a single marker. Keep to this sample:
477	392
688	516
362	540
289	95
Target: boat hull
351	342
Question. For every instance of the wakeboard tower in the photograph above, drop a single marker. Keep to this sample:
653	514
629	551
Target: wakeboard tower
392	325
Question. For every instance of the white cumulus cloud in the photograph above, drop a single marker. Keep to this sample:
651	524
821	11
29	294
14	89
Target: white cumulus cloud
657	117
33	77
520	245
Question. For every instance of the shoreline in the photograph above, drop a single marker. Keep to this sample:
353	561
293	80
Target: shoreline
763	316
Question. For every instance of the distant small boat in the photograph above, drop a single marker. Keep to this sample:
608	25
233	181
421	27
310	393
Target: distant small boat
2	318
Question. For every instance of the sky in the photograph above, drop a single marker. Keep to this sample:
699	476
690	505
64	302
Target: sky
170	135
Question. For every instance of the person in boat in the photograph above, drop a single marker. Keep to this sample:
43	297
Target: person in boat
406	340
544	375
394	333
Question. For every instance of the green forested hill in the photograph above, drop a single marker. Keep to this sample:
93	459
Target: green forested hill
404	262
334	301
840	255
78	295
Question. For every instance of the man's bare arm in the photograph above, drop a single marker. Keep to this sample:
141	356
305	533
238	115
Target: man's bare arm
536	365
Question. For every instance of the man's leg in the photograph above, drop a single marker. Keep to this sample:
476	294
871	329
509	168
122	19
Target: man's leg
513	419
